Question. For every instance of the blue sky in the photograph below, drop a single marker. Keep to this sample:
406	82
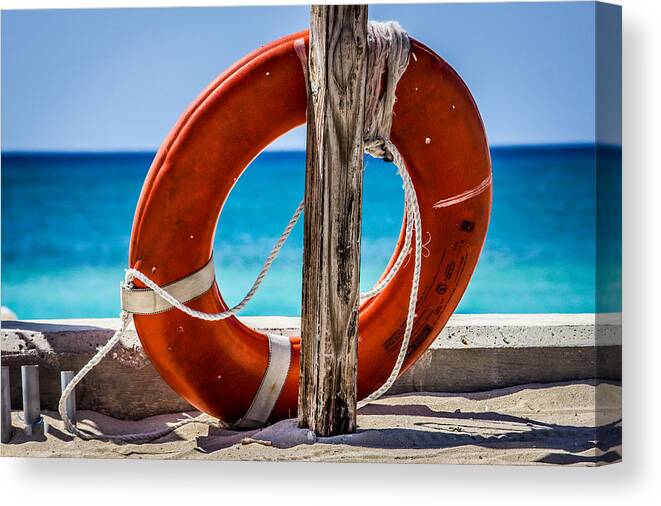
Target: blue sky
119	79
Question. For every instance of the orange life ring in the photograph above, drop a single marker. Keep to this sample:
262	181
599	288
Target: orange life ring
219	366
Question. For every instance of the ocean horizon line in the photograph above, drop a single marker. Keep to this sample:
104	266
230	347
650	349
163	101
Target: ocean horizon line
152	152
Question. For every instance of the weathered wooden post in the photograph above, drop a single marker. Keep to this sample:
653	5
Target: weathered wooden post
333	198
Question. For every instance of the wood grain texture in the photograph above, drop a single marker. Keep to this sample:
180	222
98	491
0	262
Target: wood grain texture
333	198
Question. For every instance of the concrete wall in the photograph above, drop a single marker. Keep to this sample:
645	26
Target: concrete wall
473	353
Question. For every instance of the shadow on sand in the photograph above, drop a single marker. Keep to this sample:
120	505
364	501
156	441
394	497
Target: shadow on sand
443	430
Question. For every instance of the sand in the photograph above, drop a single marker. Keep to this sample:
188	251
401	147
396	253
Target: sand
530	424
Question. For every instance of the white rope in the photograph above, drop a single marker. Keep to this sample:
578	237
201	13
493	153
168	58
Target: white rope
126	319
389	52
132	274
413	218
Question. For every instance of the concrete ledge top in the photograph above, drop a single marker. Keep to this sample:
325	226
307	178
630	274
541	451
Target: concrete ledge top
463	331
473	353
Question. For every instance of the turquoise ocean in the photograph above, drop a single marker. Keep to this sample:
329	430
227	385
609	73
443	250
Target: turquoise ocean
66	222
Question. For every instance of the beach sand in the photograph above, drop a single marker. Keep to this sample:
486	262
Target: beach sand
530	424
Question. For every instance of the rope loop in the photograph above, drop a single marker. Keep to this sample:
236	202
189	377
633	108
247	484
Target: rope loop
387	59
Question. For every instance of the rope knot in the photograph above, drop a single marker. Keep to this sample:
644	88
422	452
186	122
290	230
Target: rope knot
379	148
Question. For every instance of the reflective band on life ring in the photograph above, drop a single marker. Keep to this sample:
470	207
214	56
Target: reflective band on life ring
229	370
145	301
272	383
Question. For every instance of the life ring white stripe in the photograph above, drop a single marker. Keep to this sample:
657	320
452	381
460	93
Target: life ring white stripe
269	391
146	301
